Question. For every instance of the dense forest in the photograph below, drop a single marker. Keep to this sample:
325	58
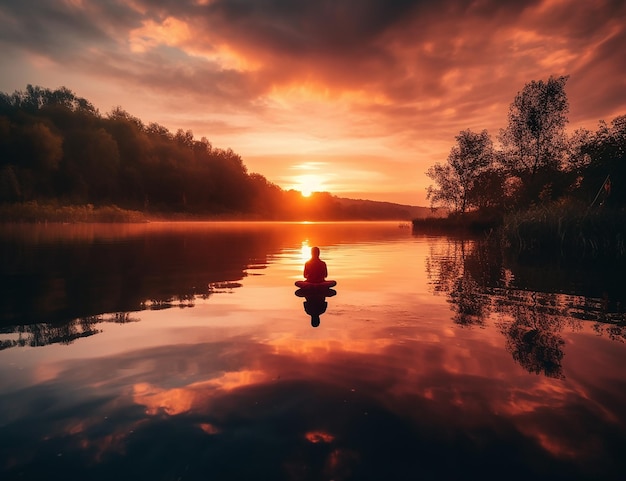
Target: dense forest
549	191
57	149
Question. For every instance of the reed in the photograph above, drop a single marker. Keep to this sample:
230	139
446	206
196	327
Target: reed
568	230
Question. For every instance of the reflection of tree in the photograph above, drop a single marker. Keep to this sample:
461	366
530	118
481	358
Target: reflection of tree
73	278
613	332
42	334
445	263
451	269
473	275
470	304
533	337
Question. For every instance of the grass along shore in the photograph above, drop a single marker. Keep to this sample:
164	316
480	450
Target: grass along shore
568	231
34	212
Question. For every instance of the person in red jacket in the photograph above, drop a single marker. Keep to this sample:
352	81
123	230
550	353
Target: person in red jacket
315	269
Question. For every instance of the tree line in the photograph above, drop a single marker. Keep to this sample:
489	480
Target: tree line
56	146
58	152
535	161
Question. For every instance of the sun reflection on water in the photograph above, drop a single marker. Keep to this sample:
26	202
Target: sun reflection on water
305	250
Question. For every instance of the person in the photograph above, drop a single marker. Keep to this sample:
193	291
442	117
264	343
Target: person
315	269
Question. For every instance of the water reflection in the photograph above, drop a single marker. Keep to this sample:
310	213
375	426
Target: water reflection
471	306
533	336
72	278
315	302
58	273
496	374
481	283
42	334
399	413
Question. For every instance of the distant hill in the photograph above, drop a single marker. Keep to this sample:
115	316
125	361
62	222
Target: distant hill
377	210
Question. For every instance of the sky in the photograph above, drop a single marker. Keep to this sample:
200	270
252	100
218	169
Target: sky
354	97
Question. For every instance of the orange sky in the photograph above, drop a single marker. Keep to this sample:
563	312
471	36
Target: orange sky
355	97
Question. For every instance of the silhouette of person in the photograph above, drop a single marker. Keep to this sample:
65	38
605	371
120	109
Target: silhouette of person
315	269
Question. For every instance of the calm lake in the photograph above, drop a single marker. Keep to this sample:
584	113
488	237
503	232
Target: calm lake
180	351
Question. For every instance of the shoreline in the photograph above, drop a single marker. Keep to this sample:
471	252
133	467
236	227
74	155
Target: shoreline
34	212
553	231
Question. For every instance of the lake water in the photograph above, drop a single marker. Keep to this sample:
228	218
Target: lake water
181	351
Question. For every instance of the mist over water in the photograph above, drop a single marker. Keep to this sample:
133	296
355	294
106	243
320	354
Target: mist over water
181	351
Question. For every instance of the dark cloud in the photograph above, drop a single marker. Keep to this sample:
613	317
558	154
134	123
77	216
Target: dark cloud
404	49
169	70
310	26
60	29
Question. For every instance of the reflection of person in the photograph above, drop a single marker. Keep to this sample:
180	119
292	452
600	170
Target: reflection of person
315	302
315	269
315	306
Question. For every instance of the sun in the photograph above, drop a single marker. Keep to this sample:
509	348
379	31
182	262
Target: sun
309	183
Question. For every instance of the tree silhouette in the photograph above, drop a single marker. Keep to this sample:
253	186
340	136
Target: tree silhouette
472	156
598	156
56	146
534	140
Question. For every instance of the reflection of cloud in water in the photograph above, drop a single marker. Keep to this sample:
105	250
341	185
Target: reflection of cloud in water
243	394
183	399
319	437
318	348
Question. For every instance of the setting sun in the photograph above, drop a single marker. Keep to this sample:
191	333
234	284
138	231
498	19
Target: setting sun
309	183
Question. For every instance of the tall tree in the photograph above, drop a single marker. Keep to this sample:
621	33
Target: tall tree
535	136
468	159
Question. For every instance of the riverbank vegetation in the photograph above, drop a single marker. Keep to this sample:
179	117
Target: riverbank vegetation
62	160
546	193
568	230
52	212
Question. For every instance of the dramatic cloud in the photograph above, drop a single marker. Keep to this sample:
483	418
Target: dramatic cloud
390	83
